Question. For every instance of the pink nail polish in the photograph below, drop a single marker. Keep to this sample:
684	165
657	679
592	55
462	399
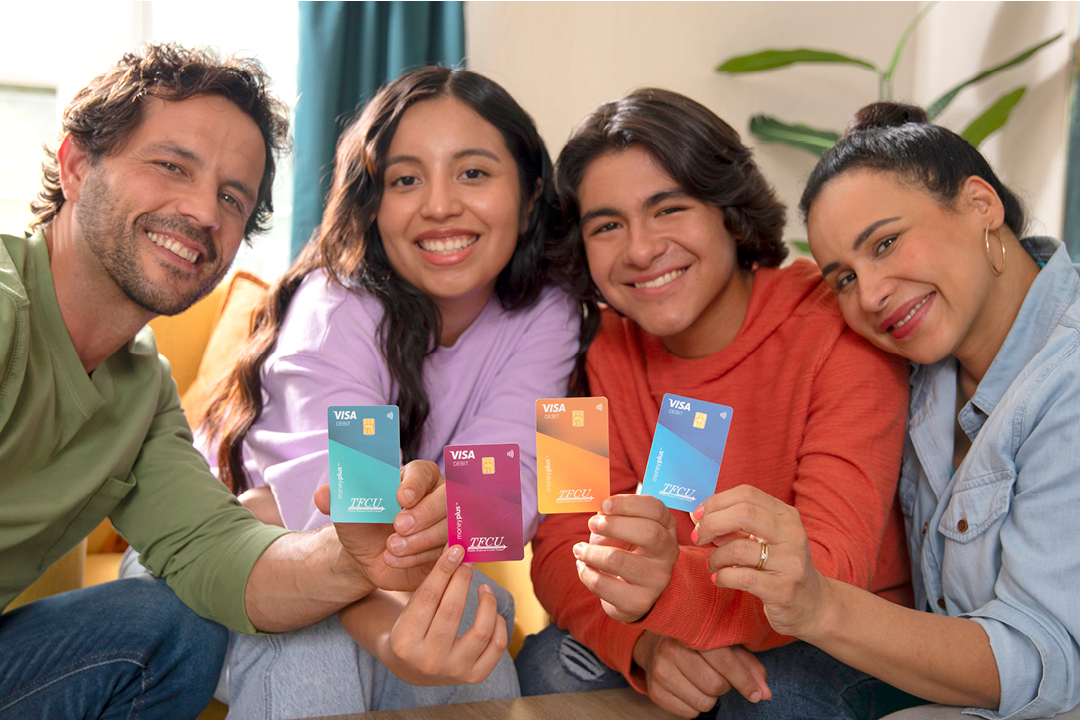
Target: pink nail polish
714	578
694	535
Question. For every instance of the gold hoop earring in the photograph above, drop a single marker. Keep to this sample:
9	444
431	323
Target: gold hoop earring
986	239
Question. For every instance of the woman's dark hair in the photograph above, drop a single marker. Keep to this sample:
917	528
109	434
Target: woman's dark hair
899	138
700	152
104	114
348	248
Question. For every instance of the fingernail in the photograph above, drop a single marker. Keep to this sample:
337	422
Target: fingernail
713	578
593	522
694	536
398	544
580	567
409	494
456	553
594	538
404	522
485	588
390	559
606	506
755	696
578	549
699	511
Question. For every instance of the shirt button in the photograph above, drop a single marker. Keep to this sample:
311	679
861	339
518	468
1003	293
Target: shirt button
924	527
962	525
941	603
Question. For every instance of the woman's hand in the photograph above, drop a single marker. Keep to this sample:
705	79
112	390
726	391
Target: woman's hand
688	682
422	646
762	549
627	562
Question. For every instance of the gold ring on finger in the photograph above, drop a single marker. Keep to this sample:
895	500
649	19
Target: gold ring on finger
764	556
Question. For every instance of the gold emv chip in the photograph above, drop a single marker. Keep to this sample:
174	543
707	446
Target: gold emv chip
488	465
369	426
577	418
699	420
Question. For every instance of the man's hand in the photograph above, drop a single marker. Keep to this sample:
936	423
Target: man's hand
688	682
422	646
627	562
399	557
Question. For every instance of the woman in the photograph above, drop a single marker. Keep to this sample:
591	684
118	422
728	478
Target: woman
428	286
925	249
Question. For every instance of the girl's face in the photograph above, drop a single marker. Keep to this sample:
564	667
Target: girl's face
911	276
450	212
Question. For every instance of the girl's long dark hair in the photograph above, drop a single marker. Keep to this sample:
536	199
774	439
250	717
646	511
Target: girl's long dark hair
348	248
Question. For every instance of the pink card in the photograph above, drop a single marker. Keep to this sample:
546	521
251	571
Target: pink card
483	501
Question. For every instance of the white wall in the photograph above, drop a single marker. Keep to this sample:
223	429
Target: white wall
562	59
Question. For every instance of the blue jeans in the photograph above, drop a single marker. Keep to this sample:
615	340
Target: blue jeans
127	648
805	682
320	670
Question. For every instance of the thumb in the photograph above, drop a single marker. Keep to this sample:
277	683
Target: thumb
322	499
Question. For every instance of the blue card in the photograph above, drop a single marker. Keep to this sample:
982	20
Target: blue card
687	449
365	463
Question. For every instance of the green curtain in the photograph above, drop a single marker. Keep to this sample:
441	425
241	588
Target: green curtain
347	51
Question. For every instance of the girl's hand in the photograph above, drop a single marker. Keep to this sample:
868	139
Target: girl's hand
627	562
762	549
422	647
420	531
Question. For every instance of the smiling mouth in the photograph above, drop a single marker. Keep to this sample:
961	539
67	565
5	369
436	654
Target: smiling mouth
911	314
448	246
174	247
660	281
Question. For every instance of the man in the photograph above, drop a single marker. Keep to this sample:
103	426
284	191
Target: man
165	166
682	236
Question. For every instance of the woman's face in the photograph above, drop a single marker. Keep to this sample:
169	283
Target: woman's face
911	276
450	212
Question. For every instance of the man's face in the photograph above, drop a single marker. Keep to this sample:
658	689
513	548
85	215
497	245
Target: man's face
165	213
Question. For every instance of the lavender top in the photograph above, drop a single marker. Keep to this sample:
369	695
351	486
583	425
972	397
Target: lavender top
483	389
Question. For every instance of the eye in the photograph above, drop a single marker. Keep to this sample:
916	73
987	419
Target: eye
169	167
670	210
473	174
843	279
405	181
606	227
884	244
231	200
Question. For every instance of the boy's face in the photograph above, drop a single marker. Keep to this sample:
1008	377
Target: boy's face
660	256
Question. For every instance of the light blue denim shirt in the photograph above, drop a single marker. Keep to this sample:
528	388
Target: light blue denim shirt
996	542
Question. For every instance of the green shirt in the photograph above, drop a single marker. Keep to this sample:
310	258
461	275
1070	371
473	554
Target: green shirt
75	448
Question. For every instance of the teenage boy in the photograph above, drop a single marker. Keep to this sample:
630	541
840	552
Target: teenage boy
165	167
682	237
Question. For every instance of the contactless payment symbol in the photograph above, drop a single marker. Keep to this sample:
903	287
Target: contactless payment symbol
684	461
365	463
488	465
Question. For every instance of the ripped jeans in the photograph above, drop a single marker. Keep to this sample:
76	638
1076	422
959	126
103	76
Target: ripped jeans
805	682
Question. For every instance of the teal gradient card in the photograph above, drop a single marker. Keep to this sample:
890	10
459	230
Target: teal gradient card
687	449
365	463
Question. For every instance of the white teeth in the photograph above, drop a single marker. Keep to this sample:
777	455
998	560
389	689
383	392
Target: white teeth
912	313
173	246
448	245
662	280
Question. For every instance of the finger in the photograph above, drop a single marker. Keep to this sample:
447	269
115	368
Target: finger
671	702
737	675
745	553
676	681
735	496
444	626
654	539
755	668
742	518
474	641
621	600
322	499
428	512
626	570
707	682
433	538
418	479
423	559
493	651
424	604
641	506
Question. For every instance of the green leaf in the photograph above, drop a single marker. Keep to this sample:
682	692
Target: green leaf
801	245
772	59
993	118
935	109
799	136
903	40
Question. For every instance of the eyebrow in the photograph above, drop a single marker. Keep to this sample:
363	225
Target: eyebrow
863	237
196	160
467	152
651	201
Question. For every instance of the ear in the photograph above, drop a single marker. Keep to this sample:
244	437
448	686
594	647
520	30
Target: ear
74	164
981	198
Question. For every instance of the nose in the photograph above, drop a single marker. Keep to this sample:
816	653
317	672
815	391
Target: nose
874	291
200	204
644	246
441	200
